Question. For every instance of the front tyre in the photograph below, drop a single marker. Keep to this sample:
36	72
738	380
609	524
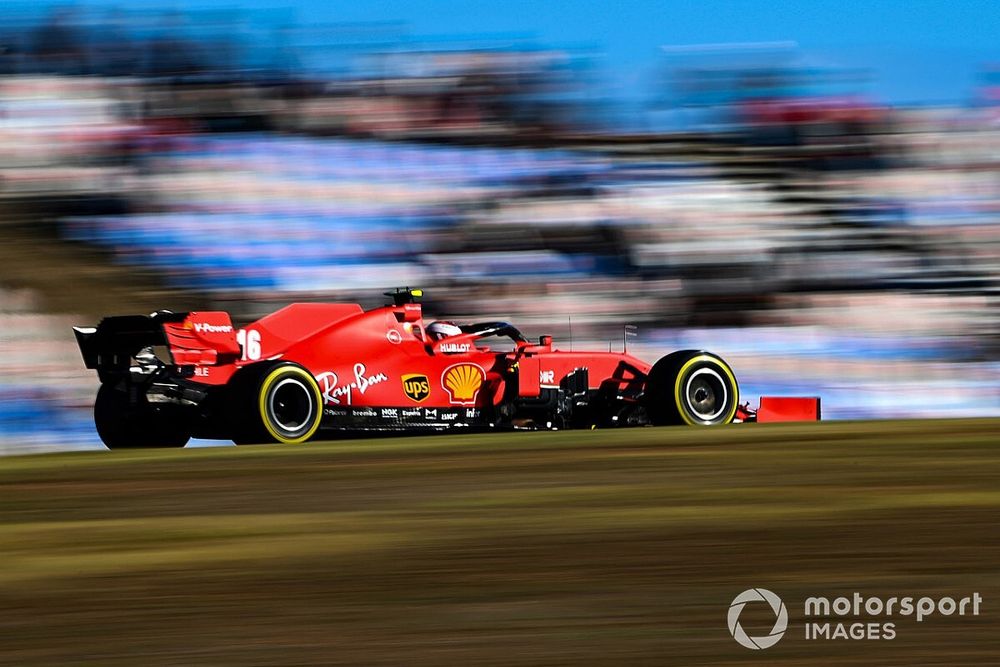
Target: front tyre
692	387
278	402
123	425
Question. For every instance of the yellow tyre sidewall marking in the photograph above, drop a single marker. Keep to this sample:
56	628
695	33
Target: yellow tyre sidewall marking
716	363
310	381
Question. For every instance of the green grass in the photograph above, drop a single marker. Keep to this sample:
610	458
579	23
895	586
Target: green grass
603	547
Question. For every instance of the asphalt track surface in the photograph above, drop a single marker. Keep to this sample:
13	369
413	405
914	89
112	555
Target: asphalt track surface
587	548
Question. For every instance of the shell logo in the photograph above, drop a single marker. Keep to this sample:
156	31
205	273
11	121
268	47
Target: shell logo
463	381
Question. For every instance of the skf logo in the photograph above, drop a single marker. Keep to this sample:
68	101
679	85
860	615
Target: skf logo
463	382
416	387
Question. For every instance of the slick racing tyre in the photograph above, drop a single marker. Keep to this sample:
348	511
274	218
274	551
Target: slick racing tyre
691	387
274	402
124	426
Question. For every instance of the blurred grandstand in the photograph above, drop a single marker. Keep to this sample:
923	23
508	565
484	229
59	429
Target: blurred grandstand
822	243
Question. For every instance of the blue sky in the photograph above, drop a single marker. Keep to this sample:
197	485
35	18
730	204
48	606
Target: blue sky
915	50
923	50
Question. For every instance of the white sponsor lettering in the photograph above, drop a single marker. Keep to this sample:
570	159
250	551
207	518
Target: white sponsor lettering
449	416
416	412
472	413
204	327
333	392
455	347
390	413
430	414
547	377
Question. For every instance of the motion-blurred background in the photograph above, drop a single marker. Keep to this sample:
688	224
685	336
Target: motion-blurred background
814	196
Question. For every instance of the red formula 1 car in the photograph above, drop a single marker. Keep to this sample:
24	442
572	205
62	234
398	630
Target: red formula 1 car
310	368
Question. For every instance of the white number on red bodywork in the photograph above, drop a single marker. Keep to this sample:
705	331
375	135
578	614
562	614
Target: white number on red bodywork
249	341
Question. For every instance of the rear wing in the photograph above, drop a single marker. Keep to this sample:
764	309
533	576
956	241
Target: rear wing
205	338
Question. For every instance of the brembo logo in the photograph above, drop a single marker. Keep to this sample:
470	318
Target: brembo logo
204	327
777	606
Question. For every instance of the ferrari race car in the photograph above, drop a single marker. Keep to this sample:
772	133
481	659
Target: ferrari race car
315	368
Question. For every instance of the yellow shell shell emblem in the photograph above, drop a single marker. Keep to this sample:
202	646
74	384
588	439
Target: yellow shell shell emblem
462	381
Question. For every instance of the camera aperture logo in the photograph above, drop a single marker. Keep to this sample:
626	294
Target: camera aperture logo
780	622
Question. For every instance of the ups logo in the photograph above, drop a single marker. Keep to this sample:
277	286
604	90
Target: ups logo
416	387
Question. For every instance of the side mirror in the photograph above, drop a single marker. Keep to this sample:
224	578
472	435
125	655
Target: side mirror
411	313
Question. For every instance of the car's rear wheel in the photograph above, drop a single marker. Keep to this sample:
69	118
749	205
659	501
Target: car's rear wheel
691	387
274	403
122	425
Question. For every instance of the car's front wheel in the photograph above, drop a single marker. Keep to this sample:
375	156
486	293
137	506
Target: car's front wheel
691	387
274	403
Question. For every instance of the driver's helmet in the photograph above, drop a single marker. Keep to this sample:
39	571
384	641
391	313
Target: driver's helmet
441	329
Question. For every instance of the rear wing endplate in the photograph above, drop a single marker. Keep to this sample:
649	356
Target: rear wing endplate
111	345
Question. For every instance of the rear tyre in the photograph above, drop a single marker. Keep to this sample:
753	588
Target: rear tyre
691	387
276	402
125	426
